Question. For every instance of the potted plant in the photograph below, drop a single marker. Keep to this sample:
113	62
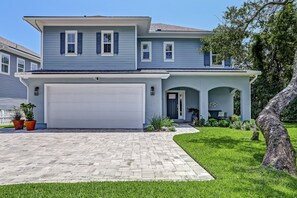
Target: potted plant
29	114
18	123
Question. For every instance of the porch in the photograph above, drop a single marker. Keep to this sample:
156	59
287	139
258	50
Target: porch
206	96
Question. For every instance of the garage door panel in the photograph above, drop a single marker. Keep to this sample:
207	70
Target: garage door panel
89	106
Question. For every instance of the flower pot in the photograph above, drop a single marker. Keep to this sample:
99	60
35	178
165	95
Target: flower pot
30	125
18	124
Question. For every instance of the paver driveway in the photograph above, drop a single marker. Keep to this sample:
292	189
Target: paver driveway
72	157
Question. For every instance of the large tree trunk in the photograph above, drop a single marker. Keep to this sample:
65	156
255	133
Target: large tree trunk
280	153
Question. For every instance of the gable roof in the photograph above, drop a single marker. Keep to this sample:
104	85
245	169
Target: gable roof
162	27
9	45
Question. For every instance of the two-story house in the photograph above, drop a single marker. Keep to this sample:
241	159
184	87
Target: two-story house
119	72
14	58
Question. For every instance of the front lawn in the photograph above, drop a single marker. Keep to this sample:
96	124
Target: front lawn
226	153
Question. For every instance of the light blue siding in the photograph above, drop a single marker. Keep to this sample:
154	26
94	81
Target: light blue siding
89	60
11	87
187	54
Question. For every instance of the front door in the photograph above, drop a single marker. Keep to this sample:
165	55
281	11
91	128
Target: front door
172	105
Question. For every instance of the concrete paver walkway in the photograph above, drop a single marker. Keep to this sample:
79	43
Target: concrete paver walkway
82	156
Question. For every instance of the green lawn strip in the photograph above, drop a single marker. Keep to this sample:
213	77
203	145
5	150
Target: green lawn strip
228	154
6	126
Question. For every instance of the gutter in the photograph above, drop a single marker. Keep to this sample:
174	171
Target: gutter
254	79
25	84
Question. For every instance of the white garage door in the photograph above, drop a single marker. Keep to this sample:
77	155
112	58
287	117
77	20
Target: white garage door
94	105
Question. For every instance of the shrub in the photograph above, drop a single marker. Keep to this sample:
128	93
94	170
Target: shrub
166	122
207	124
211	121
215	123
201	122
246	126
235	118
236	125
150	128
156	122
160	123
224	123
172	129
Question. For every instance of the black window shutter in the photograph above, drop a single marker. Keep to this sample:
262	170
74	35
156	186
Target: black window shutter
228	62
207	59
79	43
62	43
116	42
98	42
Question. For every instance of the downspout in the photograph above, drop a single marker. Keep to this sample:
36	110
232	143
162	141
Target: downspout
25	84
254	79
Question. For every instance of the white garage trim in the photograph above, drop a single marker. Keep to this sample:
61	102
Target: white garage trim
46	86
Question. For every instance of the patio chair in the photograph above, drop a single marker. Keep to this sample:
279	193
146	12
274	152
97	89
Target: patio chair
221	115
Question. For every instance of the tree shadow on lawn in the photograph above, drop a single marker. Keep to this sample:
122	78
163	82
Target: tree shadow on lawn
221	142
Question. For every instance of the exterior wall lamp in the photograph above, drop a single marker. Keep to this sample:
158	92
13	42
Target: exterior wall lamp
36	91
152	90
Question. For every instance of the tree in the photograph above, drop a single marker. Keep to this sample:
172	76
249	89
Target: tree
237	37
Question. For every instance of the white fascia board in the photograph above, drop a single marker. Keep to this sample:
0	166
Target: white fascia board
216	73
27	75
39	22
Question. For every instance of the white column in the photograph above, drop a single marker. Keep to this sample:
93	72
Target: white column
245	103
203	106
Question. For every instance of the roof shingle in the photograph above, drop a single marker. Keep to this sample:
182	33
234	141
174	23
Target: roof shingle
158	27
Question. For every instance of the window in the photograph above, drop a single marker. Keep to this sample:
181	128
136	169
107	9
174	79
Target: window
5	64
214	60
34	66
168	51
71	43
146	51
20	65
107	43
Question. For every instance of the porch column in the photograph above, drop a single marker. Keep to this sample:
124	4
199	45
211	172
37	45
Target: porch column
203	106
245	103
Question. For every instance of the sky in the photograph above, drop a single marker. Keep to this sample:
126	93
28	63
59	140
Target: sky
203	14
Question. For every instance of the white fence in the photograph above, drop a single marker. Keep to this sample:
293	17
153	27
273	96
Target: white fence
5	117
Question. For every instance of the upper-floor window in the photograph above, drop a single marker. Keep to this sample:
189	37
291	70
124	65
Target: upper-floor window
168	51
5	64
146	51
215	62
71	43
107	43
20	65
34	66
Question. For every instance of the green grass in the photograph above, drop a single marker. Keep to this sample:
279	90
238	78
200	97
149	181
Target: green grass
6	126
227	154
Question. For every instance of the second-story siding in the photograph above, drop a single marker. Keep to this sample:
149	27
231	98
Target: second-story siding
187	54
10	86
89	59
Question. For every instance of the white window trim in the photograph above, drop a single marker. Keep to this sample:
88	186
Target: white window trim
66	43
17	66
32	63
213	65
164	51
149	43
3	54
102	42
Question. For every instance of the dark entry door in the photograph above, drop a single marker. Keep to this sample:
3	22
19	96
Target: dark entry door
172	105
